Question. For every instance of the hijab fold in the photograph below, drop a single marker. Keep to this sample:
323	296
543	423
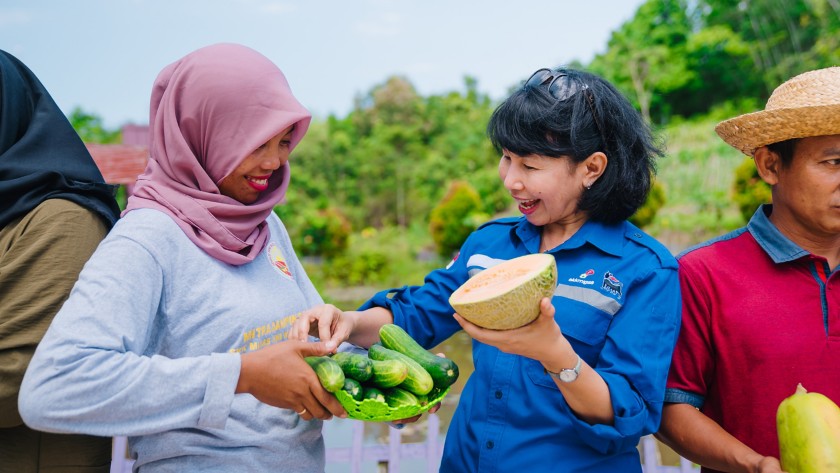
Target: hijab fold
209	111
41	155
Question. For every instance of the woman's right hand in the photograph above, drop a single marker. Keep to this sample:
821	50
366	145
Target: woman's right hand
326	322
279	376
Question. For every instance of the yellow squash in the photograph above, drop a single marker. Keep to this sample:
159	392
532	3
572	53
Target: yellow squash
809	433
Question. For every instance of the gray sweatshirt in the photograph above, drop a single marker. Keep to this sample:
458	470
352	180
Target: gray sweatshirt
148	345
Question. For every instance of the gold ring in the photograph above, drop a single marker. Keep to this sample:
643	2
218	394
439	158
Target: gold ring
302	412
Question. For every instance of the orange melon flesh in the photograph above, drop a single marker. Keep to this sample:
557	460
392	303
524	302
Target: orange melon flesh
507	295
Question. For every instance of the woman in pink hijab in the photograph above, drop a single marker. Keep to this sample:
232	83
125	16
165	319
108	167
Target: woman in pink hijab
176	332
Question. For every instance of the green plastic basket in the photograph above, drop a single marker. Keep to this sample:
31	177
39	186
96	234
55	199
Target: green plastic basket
378	411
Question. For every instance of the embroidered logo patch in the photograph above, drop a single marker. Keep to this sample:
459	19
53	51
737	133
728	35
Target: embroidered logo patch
582	278
276	258
612	284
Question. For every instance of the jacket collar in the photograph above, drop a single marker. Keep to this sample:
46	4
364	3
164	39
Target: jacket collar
605	237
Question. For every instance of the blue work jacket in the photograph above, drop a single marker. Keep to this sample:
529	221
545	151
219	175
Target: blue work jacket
618	304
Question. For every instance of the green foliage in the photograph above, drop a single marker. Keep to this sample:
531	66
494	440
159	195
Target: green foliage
391	159
121	197
322	232
749	189
647	212
697	172
453	219
361	268
375	259
90	128
679	57
646	57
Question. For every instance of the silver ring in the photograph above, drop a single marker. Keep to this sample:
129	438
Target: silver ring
302	412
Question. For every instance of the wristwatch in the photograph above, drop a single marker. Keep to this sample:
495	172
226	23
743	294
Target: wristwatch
566	375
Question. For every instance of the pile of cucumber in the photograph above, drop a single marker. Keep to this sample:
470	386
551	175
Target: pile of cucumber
397	371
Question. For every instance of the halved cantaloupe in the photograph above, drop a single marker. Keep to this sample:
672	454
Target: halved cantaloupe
507	295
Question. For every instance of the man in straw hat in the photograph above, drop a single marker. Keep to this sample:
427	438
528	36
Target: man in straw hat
761	305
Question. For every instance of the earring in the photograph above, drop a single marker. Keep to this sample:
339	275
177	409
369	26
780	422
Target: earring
588	186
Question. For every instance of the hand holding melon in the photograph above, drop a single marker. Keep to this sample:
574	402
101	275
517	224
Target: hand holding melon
508	295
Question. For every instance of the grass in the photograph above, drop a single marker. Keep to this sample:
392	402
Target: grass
697	173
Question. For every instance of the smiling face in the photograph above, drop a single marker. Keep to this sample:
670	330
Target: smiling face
806	193
547	189
250	178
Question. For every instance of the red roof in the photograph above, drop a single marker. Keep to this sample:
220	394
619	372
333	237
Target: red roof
119	164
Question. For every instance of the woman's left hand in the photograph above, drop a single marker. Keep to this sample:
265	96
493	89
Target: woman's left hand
539	340
326	322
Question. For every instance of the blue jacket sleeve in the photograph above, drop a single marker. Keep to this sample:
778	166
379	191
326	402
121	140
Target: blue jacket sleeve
635	360
424	311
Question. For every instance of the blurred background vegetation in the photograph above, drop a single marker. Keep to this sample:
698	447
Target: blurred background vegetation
388	192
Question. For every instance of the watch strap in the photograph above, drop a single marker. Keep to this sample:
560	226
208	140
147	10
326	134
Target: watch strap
573	372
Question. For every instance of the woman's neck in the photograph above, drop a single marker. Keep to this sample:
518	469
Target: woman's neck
555	234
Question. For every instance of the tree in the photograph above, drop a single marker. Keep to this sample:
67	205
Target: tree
646	56
90	128
781	33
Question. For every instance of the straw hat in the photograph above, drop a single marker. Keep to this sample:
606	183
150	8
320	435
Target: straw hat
806	105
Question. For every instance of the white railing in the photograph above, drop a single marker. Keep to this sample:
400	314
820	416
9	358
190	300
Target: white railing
389	456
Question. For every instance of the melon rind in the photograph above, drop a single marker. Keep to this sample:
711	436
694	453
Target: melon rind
531	278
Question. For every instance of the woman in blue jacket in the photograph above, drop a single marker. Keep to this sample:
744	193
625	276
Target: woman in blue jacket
577	388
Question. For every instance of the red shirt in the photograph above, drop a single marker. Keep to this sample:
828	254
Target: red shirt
760	315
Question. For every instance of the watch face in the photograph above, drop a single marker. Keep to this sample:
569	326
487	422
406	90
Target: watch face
568	375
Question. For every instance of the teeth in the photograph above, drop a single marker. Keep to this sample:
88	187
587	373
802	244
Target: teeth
259	182
528	203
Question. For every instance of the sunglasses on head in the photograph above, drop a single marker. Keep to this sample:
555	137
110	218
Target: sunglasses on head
562	86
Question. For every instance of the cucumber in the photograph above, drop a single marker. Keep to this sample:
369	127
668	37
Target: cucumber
388	373
328	371
370	392
353	388
422	399
397	397
444	371
354	365
418	381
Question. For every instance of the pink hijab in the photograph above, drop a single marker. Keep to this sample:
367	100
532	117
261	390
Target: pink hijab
209	111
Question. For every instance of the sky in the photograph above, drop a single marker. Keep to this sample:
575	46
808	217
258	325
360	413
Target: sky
103	55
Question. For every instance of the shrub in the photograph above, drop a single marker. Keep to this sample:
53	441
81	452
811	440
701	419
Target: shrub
321	232
360	268
749	189
452	220
647	212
